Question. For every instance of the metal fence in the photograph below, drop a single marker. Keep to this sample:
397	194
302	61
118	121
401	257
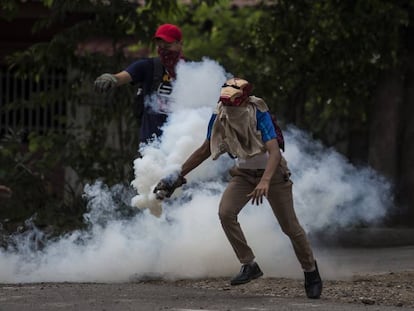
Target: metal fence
21	109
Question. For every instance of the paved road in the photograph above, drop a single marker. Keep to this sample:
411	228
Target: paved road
149	296
366	260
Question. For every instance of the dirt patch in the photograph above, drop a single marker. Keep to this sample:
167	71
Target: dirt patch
391	289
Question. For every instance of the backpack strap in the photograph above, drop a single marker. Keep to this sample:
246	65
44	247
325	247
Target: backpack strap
279	133
157	73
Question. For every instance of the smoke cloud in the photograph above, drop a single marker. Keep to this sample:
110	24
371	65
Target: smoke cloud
182	238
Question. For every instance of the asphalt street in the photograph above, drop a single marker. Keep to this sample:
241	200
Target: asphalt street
147	296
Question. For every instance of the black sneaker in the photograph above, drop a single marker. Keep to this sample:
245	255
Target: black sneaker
313	283
247	273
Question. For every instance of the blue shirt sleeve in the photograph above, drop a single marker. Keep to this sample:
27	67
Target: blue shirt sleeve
140	71
265	125
210	125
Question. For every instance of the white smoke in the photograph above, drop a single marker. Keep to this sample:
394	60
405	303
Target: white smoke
186	239
328	190
194	99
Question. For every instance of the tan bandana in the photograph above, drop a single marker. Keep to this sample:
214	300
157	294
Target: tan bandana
235	130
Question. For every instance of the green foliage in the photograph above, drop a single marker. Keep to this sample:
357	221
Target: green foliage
316	62
219	32
8	9
100	139
337	55
35	177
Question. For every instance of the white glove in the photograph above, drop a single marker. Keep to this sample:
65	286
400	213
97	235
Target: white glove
105	82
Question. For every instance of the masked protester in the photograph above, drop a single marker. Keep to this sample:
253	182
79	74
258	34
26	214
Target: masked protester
242	127
154	76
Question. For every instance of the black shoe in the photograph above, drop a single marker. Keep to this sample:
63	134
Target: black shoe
247	273
313	283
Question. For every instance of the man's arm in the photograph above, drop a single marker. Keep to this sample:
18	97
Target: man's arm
122	77
196	158
107	81
166	186
273	161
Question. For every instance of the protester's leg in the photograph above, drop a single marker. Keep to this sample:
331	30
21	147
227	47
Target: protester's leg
281	201
233	200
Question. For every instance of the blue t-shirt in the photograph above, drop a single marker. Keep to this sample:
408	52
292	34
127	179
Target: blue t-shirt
264	125
141	71
156	105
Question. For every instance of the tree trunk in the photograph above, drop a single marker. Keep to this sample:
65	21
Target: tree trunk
384	125
406	167
385	132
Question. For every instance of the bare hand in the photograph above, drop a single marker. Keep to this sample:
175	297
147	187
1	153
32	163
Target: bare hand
257	194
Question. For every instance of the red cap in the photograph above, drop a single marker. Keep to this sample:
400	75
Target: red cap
168	33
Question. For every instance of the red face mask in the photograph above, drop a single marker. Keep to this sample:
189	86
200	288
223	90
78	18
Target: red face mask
169	59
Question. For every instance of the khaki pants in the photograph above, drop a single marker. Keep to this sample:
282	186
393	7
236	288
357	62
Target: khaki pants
280	198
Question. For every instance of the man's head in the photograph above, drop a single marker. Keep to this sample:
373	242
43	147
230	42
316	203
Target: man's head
169	33
168	38
235	91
